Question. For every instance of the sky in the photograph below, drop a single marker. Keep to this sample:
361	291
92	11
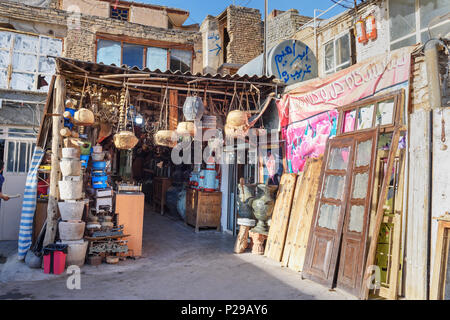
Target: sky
199	9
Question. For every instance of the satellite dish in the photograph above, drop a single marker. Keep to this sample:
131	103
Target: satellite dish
292	61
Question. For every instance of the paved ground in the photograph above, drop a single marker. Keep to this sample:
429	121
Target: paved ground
177	264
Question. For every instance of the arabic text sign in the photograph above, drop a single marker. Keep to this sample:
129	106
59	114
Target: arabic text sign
292	61
346	86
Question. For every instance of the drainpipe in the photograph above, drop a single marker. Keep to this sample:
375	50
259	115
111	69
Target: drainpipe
434	96
265	38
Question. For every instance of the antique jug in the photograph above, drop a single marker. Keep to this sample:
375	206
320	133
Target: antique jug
263	207
246	196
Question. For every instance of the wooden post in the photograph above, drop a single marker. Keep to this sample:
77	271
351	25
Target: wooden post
57	125
380	213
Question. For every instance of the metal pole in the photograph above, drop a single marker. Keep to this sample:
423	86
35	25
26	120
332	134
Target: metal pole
265	38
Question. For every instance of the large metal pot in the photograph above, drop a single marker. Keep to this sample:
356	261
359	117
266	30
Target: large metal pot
193	108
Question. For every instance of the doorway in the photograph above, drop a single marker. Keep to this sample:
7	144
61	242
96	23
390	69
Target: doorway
16	149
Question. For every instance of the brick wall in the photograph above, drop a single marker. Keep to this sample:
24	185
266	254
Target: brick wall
80	41
244	28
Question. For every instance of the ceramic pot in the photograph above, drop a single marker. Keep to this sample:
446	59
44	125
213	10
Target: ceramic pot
245	199
71	230
70	190
76	252
263	207
193	108
125	140
71	210
70	167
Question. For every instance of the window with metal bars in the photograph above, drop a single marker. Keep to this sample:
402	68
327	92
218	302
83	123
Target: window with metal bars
119	13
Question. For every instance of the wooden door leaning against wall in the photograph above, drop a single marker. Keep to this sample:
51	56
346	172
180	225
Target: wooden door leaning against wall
341	212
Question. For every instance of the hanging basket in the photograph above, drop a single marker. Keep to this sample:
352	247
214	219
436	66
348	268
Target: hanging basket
237	118
186	129
193	108
167	138
125	140
84	117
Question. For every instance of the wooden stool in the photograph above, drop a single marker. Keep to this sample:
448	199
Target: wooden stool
258	242
242	238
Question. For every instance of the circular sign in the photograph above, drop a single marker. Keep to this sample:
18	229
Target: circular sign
292	61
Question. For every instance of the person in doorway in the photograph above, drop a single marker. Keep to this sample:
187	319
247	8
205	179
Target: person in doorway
2	180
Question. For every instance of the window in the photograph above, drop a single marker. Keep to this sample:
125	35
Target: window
180	60
409	20
135	55
23	58
119	13
337	54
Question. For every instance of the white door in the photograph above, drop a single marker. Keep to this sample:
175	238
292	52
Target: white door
17	158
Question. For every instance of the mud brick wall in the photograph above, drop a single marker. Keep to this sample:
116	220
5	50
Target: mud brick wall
244	28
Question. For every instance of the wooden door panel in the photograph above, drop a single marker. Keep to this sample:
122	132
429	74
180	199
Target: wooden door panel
322	247
356	222
350	252
326	229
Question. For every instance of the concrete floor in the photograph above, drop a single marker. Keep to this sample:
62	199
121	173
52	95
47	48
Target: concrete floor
176	264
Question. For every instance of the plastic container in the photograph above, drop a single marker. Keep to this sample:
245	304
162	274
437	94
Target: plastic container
98	156
99	165
55	258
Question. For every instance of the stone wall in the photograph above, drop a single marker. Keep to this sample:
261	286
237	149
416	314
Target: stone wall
244	28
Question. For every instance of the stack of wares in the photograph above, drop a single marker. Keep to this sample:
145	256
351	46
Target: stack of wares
71	228
99	177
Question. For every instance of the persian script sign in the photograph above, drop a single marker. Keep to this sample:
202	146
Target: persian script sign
292	61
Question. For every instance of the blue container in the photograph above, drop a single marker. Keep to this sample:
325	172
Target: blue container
67	122
98	165
84	160
99	182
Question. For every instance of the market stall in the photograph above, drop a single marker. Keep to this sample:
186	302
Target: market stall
116	138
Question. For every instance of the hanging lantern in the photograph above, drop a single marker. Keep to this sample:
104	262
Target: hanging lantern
166	138
193	108
361	31
371	27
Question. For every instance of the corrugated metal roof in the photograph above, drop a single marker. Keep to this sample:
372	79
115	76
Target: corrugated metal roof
113	69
